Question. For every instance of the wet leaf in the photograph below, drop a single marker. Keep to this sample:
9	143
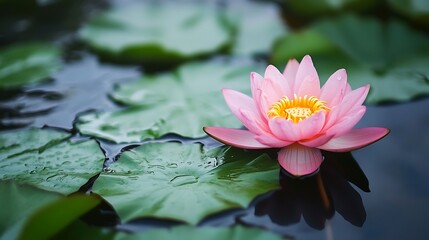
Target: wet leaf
326	7
32	213
417	10
48	162
157	31
257	26
57	215
395	63
185	182
27	63
19	142
57	104
80	230
208	233
182	102
19	202
391	42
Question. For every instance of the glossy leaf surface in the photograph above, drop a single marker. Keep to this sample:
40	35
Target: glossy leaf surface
182	102
49	162
185	182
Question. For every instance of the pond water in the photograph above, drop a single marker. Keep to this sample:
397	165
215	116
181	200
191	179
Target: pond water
333	204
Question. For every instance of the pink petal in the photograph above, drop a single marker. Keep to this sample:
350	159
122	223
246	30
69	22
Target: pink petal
272	141
346	123
272	91
253	122
307	81
335	88
300	160
355	139
312	125
235	137
290	72
290	131
316	141
353	100
255	83
280	83
262	103
238	101
284	129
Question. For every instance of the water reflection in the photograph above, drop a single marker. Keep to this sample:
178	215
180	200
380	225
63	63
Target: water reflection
318	197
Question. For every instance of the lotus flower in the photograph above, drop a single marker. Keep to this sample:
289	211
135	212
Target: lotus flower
291	112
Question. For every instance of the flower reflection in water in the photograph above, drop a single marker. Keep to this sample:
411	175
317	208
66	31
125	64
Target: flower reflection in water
316	198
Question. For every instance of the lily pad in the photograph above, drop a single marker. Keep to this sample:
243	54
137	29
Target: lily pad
27	63
311	8
155	31
19	202
34	139
80	230
257	26
391	42
29	210
417	10
48	162
57	215
208	233
395	63
182	102
185	182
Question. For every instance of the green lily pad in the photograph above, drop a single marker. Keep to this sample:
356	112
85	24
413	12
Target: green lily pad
80	230
395	63
391	42
157	31
48	162
311	8
297	44
257	26
27	63
185	182
208	233
57	215
417	10
30	210
34	139
19	202
182	102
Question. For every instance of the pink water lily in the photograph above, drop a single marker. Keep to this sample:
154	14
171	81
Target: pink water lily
291	112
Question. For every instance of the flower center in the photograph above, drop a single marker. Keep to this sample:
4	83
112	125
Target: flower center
296	109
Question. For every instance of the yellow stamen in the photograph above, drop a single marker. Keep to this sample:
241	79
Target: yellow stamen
296	109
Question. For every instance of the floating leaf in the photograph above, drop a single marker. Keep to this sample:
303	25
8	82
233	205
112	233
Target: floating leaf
311	8
394	63
19	202
297	44
185	182
19	142
57	104
182	102
417	10
57	215
257	26
80	230
32	213
157	31
27	63
47	162
391	42
208	233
